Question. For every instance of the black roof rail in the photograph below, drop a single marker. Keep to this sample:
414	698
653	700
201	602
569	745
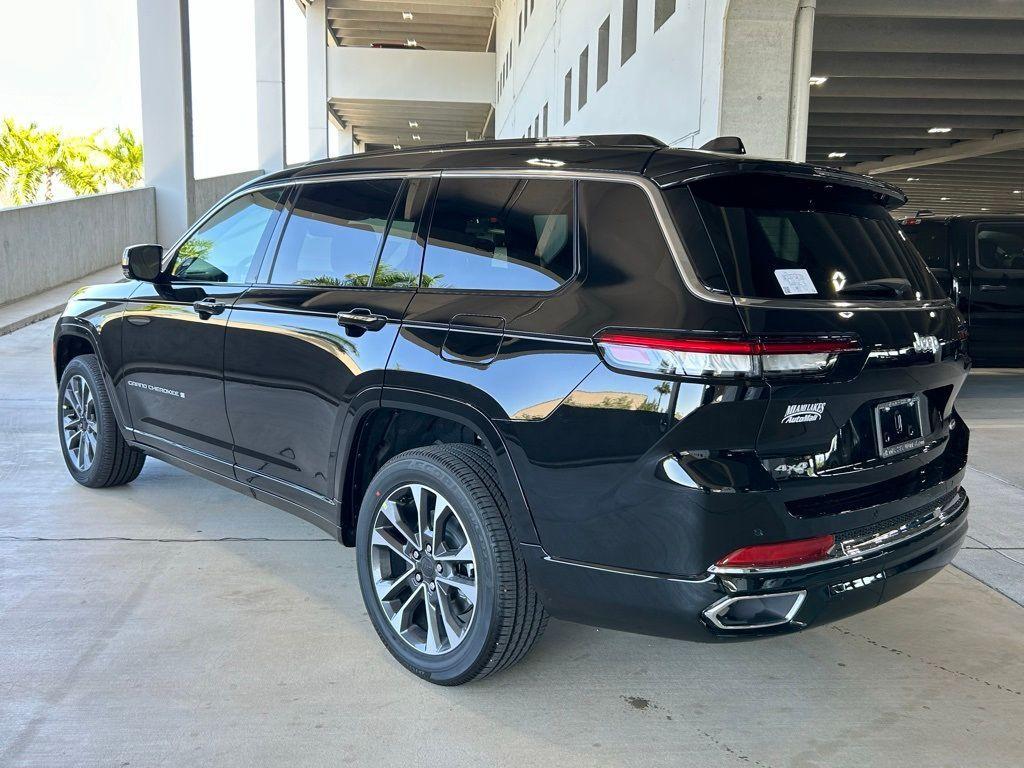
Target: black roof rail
594	140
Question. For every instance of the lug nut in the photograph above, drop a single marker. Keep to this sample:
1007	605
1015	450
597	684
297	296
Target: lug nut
415	554
431	586
418	577
438	568
429	549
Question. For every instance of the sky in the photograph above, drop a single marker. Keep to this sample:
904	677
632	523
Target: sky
74	65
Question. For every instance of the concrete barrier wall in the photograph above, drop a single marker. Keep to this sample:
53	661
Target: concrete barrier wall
208	191
44	245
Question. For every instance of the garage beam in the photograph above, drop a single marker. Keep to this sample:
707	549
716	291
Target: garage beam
959	151
924	9
952	66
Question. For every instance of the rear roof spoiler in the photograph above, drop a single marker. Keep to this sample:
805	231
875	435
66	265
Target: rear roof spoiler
732	145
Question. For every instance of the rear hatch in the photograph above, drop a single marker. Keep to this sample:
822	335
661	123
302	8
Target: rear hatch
870	420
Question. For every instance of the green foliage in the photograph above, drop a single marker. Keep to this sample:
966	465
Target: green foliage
32	160
387	277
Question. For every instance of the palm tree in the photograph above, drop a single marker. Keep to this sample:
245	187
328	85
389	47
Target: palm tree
34	159
123	158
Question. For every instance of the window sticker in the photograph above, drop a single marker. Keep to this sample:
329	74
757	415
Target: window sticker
795	281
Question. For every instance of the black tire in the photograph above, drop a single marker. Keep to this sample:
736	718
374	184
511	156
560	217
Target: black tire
508	616
114	461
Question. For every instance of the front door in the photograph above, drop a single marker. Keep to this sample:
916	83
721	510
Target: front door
997	294
174	333
311	340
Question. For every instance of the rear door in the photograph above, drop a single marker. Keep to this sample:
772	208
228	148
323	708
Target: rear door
997	293
811	261
310	341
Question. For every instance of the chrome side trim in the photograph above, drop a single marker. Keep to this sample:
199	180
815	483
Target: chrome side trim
652	190
714	612
627	571
682	261
857	548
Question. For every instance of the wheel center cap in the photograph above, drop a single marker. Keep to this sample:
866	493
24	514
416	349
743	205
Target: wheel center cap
426	566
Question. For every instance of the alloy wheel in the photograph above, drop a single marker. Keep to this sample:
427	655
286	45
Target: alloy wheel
79	424
424	569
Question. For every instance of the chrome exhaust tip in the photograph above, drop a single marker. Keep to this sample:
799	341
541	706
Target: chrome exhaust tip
755	611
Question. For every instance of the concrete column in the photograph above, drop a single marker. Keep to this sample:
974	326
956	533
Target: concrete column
166	81
800	100
757	74
270	122
344	142
316	53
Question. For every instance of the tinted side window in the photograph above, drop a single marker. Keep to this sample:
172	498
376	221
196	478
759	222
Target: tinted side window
402	256
500	235
222	249
930	239
333	233
1001	247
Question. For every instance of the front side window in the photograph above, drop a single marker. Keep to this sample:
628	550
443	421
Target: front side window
501	235
781	238
1001	247
223	248
333	234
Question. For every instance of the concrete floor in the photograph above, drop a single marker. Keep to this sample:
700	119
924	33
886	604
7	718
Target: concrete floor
173	622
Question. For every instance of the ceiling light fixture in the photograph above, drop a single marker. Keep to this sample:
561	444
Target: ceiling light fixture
407	15
984	209
913	178
1016	191
943	198
413	124
939	130
411	42
818	79
836	154
396	146
415	137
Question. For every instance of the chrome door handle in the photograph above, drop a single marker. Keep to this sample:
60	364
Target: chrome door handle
361	319
987	287
208	306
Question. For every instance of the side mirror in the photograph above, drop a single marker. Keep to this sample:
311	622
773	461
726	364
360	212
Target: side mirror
142	262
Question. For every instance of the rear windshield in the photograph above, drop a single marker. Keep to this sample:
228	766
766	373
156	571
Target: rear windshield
780	238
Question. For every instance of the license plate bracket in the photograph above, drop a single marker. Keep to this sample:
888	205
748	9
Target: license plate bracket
898	426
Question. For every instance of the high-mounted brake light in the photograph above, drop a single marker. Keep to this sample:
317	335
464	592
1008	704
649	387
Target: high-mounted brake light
720	358
779	555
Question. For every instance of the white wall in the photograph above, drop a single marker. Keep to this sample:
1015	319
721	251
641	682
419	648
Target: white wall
670	88
370	73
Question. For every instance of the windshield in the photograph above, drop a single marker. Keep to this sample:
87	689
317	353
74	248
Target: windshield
782	238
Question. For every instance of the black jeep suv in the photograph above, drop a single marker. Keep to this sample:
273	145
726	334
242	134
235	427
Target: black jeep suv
668	391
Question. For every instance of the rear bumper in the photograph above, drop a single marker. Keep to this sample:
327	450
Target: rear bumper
659	604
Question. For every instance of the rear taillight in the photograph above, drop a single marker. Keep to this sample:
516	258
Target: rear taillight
779	555
694	356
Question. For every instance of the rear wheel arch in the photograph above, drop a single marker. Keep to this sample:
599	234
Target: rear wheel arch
402	422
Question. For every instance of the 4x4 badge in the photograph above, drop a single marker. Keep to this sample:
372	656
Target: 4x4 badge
801	412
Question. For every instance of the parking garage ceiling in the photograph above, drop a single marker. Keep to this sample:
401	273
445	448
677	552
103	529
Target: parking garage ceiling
926	94
447	25
450	25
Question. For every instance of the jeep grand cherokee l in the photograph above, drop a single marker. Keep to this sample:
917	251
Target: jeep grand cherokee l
667	391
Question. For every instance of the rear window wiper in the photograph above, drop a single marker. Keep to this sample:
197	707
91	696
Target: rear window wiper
896	287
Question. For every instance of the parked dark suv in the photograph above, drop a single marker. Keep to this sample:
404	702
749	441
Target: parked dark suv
667	391
978	259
